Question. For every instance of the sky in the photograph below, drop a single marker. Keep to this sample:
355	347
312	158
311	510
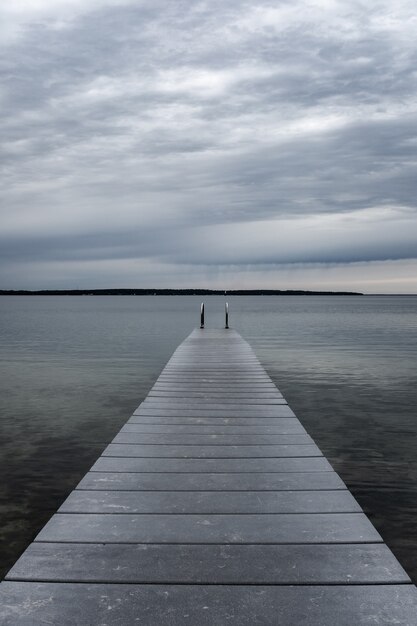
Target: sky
238	144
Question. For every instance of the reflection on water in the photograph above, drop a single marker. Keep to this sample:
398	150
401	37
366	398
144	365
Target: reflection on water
72	369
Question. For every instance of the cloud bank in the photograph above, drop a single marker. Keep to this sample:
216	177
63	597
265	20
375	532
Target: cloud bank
208	144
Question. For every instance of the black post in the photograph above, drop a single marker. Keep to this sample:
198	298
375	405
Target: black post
202	315
227	315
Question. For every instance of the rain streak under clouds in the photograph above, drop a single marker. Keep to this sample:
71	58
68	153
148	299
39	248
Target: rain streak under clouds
209	144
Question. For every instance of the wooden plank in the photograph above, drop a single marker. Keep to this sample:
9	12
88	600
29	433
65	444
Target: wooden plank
66	604
210	452
209	402
308	464
227	529
281	426
210	564
200	411
221	366
219	371
159	481
189	420
210	502
180	438
213	378
221	382
218	395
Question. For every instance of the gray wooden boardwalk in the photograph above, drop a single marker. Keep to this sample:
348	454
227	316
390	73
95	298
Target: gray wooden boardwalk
211	506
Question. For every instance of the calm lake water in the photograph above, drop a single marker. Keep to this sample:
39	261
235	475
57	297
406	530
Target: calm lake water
72	370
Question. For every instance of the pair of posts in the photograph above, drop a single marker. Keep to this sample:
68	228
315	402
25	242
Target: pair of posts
202	315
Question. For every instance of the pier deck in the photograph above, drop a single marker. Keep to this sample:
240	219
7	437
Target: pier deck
211	506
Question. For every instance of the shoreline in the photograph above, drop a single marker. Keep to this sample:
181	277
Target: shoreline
174	292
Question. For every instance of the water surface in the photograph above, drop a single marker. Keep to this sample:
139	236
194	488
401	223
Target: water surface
72	370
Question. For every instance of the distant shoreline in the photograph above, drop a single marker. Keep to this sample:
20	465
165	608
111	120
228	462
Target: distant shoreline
174	292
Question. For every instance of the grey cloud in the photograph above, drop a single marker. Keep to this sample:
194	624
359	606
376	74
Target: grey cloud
128	129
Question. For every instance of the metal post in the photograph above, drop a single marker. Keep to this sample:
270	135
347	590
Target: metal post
202	315
227	315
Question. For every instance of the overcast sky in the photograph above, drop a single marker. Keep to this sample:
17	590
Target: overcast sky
225	144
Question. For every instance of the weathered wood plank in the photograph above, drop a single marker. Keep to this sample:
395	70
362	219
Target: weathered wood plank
224	386
219	425
210	564
66	604
218	395
215	482
227	529
309	464
210	452
210	502
233	420
184	439
210	402
224	411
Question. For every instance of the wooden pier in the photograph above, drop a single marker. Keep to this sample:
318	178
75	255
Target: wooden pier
211	506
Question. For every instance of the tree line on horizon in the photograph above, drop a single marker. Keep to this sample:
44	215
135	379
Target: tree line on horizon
174	292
